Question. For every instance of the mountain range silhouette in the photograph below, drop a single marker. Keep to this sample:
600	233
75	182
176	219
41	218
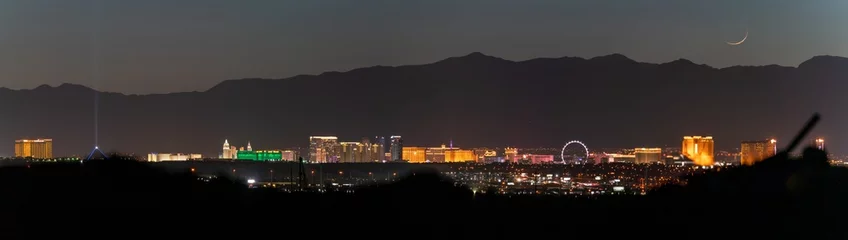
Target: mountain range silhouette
475	100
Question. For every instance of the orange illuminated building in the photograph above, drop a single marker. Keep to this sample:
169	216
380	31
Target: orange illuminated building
437	154
34	148
456	155
755	151
414	154
699	149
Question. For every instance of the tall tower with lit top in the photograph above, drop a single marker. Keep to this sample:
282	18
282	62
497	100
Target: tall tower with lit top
226	152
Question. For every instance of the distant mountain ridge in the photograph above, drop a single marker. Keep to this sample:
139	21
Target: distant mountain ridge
476	100
816	61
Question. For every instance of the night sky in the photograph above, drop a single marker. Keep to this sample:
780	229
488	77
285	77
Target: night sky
168	46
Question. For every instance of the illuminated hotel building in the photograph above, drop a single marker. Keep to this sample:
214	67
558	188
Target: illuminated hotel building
261	155
163	157
323	149
437	154
288	155
34	148
699	149
511	155
755	151
372	151
227	152
483	153
351	152
648	155
457	155
397	148
375	152
414	154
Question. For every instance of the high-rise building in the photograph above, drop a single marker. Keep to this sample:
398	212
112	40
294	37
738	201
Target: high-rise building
351	152
699	149
249	148
323	149
648	155
228	152
371	151
755	151
374	151
397	149
34	148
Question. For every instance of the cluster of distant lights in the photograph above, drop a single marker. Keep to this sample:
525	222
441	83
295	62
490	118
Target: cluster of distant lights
597	178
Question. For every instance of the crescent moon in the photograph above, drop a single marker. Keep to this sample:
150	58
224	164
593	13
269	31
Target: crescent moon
739	42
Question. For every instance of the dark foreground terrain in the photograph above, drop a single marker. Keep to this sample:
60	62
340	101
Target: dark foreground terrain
784	198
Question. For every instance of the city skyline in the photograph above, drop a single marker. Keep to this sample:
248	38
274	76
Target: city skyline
690	149
377	151
679	113
409	98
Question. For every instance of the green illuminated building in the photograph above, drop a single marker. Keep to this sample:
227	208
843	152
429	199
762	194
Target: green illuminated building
262	155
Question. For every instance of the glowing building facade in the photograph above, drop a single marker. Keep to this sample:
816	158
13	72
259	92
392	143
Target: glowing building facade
483	153
164	157
288	155
439	154
261	155
375	152
457	155
414	154
351	152
323	149
228	152
360	152
648	155
372	151
34	148
699	149
755	151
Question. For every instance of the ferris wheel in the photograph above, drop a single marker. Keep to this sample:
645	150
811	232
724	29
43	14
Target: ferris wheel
585	149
